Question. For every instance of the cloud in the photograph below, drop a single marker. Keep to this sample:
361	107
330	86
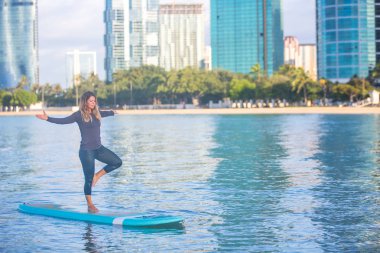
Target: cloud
65	26
299	19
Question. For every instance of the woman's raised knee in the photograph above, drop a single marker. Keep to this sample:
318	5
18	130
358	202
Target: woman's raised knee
119	163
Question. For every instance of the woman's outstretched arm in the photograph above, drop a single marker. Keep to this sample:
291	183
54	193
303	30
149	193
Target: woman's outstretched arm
107	113
67	120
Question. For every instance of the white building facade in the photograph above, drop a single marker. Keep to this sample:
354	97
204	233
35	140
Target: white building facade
181	36
301	55
291	50
308	59
79	64
207	62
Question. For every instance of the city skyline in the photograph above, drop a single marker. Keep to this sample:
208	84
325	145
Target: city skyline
131	38
63	28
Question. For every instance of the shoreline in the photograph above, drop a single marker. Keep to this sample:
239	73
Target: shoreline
226	111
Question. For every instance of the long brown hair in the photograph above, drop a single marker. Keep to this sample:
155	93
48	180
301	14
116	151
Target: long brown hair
86	115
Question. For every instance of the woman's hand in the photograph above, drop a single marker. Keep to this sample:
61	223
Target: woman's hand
43	116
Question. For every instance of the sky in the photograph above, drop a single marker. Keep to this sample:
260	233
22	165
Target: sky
72	24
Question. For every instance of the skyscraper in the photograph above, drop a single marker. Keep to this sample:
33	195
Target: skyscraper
345	38
18	42
79	64
131	38
377	33
245	33
181	39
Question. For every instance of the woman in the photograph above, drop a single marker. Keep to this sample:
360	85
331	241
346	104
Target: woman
88	119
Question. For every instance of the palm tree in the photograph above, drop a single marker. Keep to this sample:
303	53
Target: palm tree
255	71
57	89
323	83
287	70
23	83
300	82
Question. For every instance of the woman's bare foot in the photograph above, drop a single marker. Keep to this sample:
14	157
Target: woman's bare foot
92	209
97	176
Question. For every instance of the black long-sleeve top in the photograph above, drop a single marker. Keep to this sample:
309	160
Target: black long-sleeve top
89	131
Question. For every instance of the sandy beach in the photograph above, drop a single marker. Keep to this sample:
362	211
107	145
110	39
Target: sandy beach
287	110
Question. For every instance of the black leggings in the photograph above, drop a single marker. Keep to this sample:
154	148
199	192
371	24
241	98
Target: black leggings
87	158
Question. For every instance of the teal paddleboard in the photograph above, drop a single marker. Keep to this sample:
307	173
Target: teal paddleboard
133	220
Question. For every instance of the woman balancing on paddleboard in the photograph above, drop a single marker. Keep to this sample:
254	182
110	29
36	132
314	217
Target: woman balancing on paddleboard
88	119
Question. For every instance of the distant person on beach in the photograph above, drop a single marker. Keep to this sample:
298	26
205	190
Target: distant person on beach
88	119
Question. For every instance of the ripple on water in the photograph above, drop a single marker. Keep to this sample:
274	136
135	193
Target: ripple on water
273	183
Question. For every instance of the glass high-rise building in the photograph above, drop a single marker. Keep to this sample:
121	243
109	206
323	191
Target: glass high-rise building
18	42
345	38
131	38
245	33
377	24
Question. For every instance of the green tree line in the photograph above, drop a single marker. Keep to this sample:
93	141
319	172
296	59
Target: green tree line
18	97
154	85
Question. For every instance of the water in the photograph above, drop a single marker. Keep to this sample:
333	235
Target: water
270	183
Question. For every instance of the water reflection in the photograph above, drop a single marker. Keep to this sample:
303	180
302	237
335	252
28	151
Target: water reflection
348	213
301	142
249	182
90	240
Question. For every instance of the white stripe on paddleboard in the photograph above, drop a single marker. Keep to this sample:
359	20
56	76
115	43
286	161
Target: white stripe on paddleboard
118	220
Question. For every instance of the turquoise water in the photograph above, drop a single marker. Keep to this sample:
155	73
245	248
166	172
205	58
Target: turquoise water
271	183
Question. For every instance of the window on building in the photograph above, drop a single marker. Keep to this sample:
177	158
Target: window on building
350	10
330	2
330	36
331	61
347	72
152	5
344	23
347	60
331	73
151	27
330	12
349	35
352	47
347	1
331	48
330	24
377	11
151	51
